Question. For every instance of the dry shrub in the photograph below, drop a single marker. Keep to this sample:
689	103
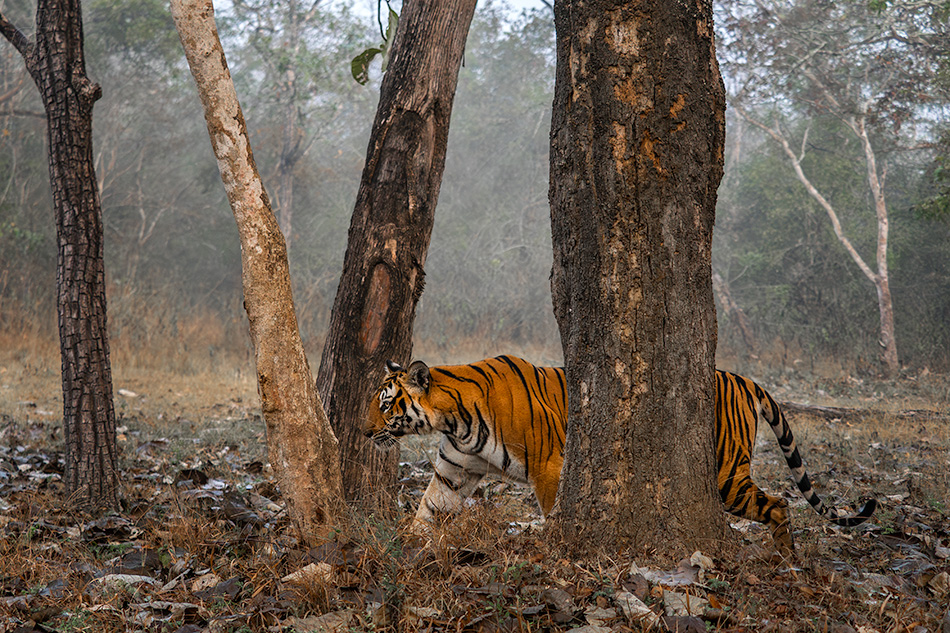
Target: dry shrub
156	332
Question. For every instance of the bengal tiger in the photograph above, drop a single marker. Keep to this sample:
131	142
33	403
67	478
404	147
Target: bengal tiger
505	416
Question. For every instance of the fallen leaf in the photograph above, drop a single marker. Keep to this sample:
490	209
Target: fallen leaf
314	572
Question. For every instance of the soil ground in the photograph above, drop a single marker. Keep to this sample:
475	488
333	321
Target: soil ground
202	543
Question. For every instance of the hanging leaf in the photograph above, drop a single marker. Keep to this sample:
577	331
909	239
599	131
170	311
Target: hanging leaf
390	34
360	65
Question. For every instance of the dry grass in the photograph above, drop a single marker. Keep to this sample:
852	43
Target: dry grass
481	571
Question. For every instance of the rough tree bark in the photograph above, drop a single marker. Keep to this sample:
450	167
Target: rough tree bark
389	234
56	62
300	442
636	156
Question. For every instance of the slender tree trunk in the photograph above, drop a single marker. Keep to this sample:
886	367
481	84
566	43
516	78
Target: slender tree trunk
55	61
882	282
732	310
291	135
300	442
636	156
389	234
880	278
285	172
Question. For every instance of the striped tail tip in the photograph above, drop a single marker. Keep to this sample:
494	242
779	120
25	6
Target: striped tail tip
860	517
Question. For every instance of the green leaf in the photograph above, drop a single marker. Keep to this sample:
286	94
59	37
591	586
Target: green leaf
390	34
360	65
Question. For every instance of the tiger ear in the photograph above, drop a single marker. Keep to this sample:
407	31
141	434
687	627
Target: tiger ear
392	367
419	375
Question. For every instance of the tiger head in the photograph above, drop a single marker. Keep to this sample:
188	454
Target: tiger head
400	405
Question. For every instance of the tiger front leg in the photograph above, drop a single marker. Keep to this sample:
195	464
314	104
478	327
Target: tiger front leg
451	484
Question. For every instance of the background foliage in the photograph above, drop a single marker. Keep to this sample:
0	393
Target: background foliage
172	251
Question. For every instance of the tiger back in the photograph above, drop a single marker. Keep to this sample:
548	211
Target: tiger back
501	416
506	416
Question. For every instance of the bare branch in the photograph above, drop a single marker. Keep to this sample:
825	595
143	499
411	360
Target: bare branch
778	137
27	113
14	89
20	41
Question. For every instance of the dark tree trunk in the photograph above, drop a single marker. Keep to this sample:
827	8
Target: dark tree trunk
389	234
636	156
56	63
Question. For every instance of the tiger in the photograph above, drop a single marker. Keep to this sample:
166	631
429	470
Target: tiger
505	416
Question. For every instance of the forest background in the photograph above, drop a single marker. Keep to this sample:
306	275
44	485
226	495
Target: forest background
790	298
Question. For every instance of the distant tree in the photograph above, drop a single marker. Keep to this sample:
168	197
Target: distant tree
383	269
637	140
301	444
56	62
295	44
491	246
871	72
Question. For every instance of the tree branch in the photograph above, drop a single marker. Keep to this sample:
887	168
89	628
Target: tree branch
832	214
17	86
29	113
20	41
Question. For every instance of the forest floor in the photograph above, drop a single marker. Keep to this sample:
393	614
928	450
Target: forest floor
203	544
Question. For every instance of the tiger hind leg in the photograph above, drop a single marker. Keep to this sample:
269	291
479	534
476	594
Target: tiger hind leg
748	501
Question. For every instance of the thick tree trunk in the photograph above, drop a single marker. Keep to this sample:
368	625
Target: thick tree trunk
300	443
636	156
56	62
389	234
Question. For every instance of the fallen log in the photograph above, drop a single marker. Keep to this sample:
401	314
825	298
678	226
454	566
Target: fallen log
833	413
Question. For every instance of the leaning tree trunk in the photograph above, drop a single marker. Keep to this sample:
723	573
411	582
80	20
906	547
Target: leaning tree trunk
880	277
300	442
636	156
57	64
389	234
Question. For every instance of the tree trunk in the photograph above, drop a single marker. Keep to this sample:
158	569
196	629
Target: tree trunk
636	156
881	277
300	443
389	234
732	310
882	282
57	64
291	136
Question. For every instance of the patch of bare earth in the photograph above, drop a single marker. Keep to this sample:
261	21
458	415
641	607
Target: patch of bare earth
203	544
